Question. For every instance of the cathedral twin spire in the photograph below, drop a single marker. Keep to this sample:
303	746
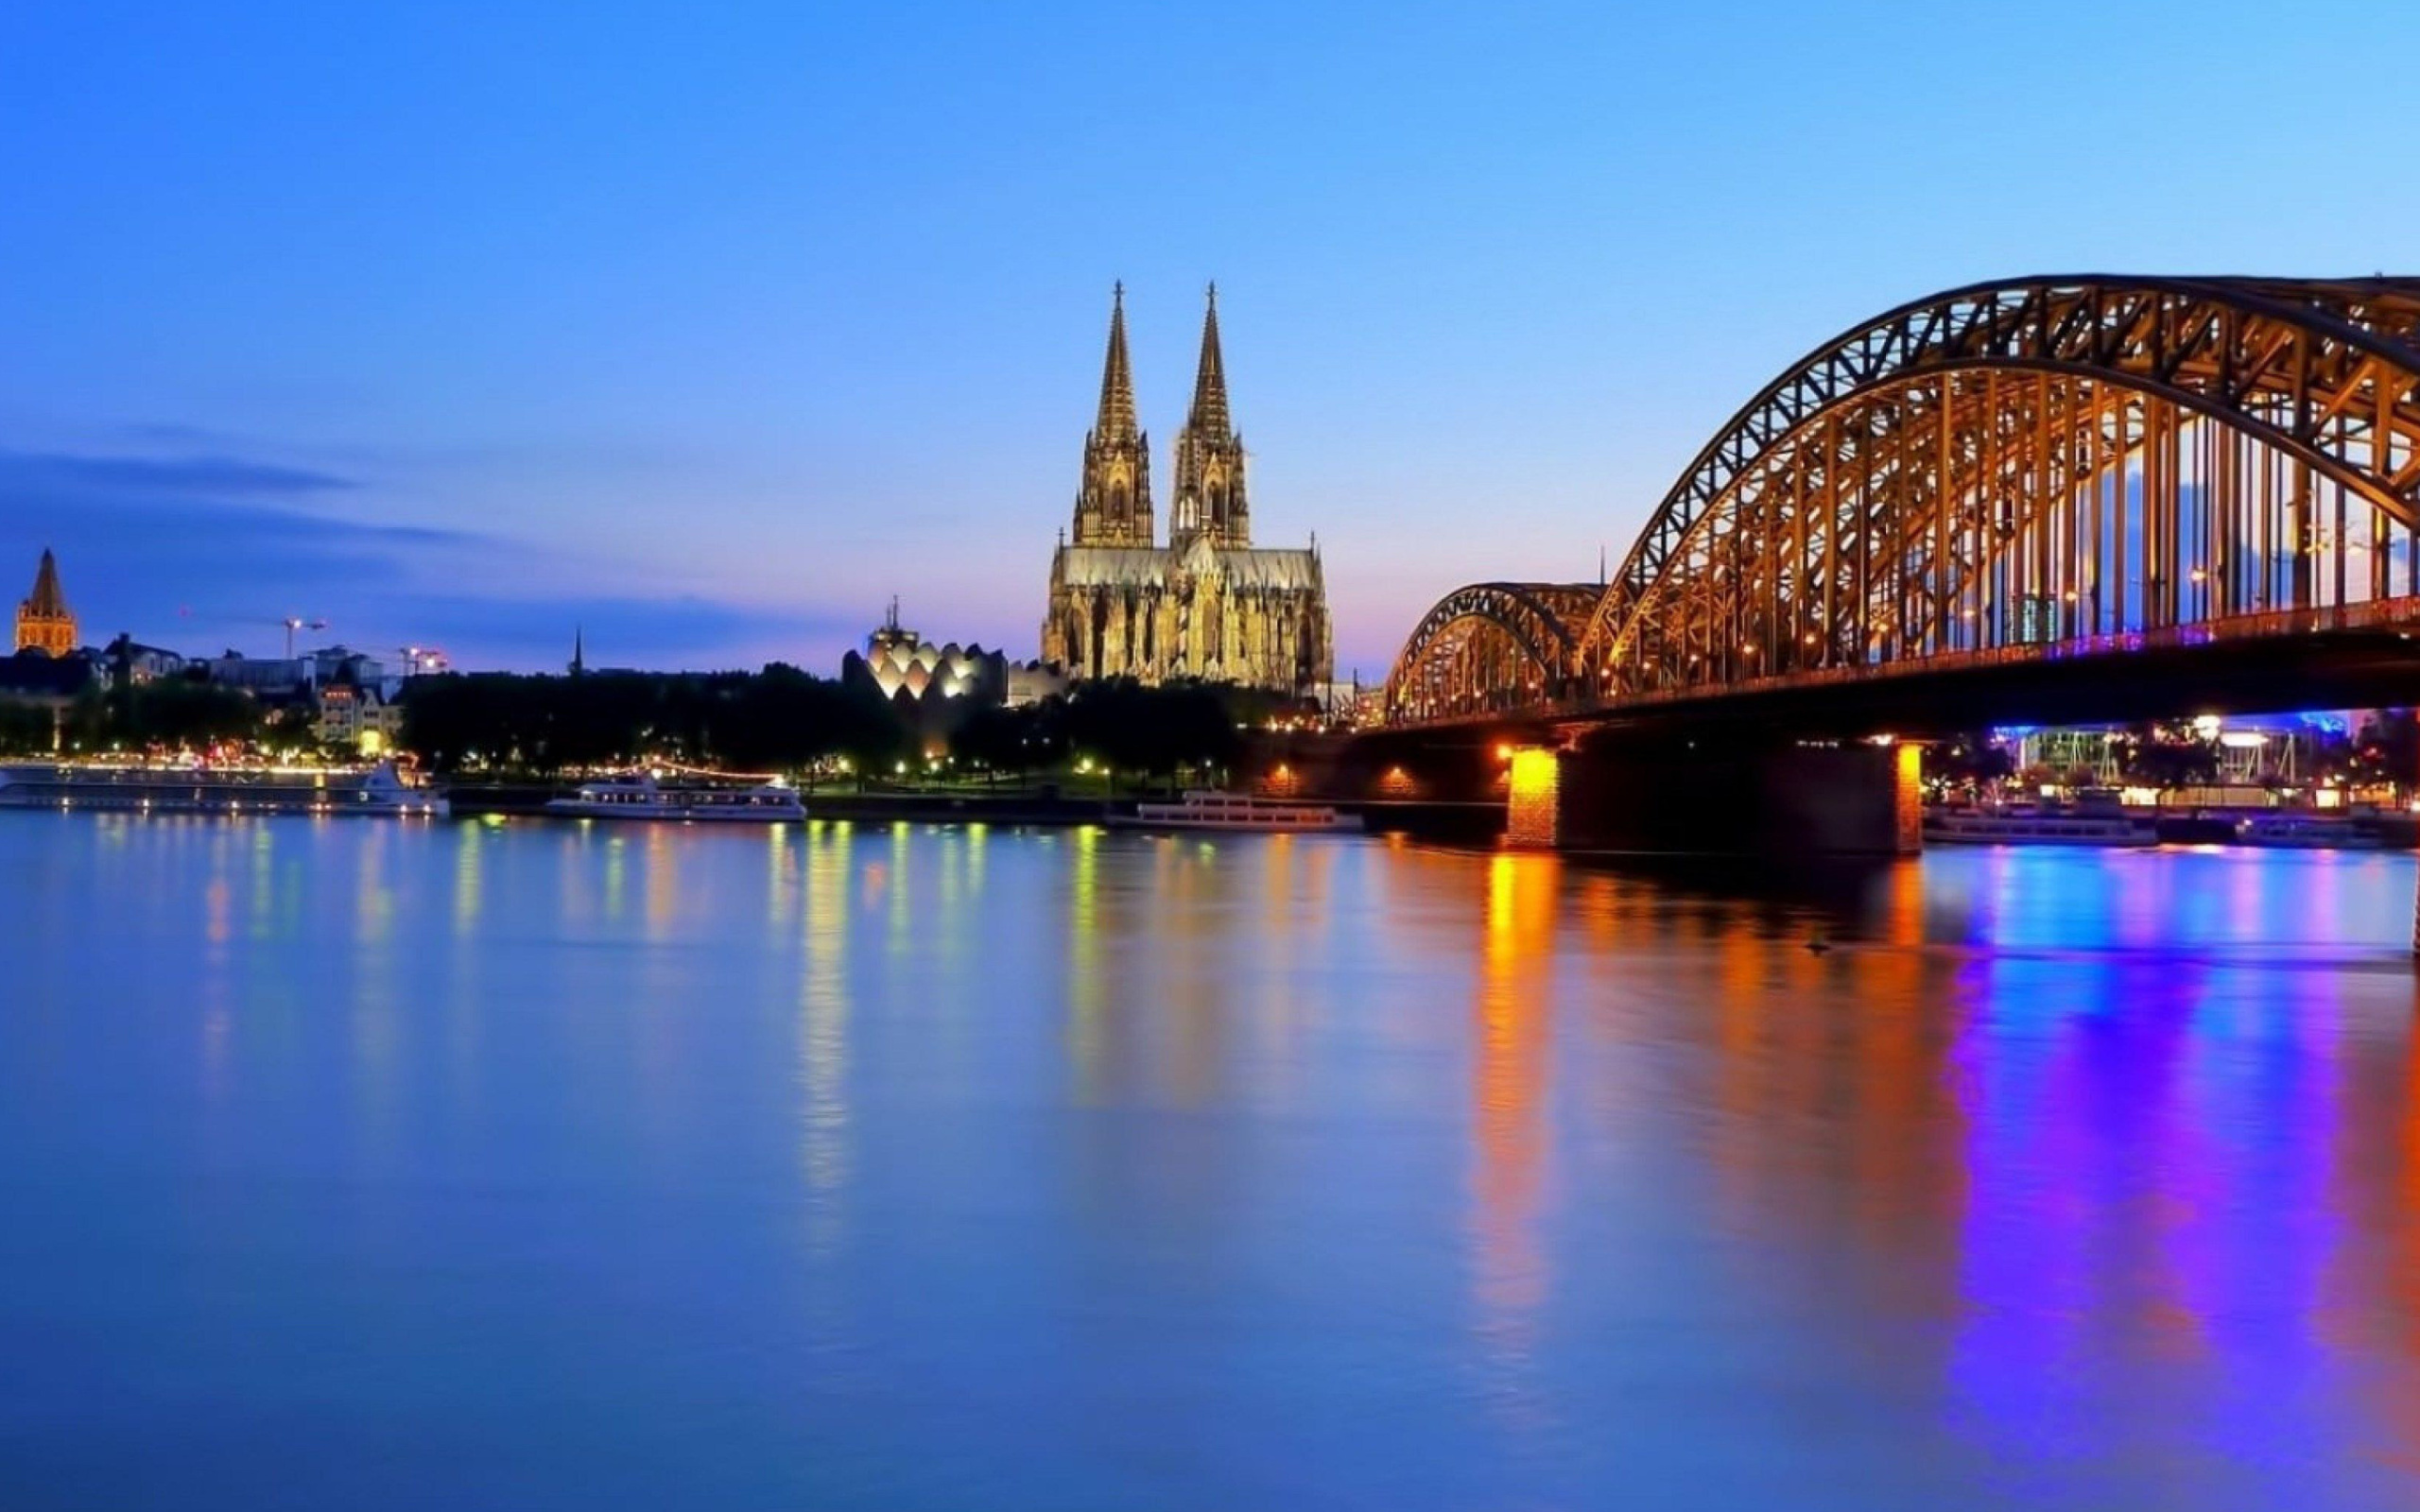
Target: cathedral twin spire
1116	375
1114	502
1209	454
1209	412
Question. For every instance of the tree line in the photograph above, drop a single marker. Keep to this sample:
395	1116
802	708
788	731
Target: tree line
785	720
781	719
513	724
169	715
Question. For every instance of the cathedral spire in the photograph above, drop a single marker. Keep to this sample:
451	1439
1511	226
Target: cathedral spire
1209	418
1209	455
1113	501
1116	421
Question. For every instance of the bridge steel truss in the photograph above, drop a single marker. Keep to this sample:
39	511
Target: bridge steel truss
1496	645
2005	471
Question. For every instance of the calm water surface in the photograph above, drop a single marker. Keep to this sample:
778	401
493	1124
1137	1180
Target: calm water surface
382	1166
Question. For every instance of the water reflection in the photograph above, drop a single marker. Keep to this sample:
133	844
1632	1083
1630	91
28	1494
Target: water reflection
1151	1171
824	1042
662	882
466	877
779	869
894	881
1511	1025
1086	991
617	868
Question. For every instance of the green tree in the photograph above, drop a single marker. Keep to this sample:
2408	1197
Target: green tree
26	729
777	719
1156	732
1971	761
175	714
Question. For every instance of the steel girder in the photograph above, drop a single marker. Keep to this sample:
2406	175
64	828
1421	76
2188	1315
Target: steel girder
2326	373
2043	466
1511	642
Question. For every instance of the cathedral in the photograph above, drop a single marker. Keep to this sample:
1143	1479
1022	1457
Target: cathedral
1209	604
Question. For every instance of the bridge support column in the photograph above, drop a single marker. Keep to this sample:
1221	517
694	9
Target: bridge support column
1726	795
1907	800
1533	798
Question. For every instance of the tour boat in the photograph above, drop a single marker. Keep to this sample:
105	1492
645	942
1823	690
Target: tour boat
2035	826
641	798
375	790
2307	831
1203	810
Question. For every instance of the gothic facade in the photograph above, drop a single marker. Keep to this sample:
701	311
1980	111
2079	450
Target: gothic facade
1209	604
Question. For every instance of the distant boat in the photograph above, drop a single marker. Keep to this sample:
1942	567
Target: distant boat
643	798
1203	810
2028	825
367	791
2307	831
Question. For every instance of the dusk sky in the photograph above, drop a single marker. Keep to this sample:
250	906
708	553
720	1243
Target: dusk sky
709	328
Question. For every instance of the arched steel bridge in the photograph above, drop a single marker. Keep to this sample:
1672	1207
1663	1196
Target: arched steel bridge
2007	473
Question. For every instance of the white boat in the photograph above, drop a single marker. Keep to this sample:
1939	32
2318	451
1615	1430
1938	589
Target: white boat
1203	810
2037	826
2307	832
641	798
377	790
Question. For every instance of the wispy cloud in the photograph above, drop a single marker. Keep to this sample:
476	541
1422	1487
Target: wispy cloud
150	533
211	549
212	476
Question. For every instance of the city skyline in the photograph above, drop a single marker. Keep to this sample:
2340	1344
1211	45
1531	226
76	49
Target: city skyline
711	338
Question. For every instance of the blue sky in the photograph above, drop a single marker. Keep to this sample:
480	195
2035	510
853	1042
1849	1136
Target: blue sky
712	327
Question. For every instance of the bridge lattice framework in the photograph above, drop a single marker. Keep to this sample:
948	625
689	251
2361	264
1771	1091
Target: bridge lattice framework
2007	471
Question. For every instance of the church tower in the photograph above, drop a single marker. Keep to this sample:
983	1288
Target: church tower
1210	456
1114	502
44	623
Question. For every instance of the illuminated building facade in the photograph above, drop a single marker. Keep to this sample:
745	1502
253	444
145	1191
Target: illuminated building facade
934	688
902	665
1209	604
355	716
44	623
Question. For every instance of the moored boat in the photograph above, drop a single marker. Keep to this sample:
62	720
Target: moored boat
643	798
2307	831
1201	809
2030	825
377	790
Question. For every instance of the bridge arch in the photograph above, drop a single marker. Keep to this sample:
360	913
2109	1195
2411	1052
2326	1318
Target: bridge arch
1491	644
2038	467
2048	460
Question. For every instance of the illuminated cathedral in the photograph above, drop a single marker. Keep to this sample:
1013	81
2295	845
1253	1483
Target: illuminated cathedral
1209	604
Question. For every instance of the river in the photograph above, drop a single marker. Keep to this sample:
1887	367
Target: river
391	1165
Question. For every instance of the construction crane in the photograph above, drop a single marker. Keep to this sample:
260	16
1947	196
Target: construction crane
297	622
289	623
